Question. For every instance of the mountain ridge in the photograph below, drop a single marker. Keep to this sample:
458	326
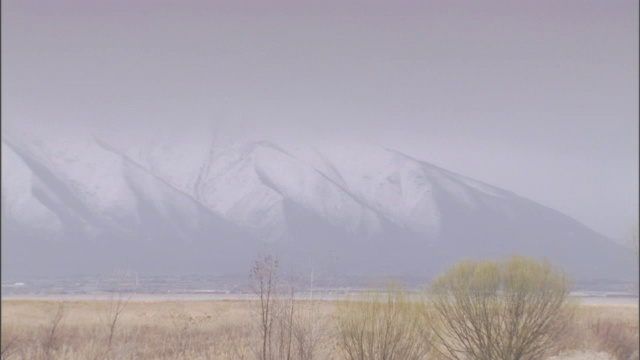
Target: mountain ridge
363	202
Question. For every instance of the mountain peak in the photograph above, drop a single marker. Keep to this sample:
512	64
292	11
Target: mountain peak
365	202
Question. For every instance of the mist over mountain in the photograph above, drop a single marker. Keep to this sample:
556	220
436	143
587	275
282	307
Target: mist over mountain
200	204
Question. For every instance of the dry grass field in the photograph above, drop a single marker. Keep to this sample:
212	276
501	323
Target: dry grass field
216	329
226	329
607	329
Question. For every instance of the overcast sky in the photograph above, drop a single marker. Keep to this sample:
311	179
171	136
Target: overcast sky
537	97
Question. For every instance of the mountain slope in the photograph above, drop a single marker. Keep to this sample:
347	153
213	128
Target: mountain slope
185	205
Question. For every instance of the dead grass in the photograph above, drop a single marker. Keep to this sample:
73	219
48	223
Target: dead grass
610	329
223	329
216	329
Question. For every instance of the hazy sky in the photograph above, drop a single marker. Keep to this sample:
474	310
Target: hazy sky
537	97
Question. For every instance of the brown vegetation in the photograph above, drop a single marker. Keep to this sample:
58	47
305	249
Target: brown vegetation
222	329
286	329
382	325
476	310
609	329
217	329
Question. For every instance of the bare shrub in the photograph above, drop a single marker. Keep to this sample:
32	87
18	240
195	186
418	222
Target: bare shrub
233	342
264	281
51	342
311	331
120	295
8	344
615	338
488	310
287	328
576	336
146	329
381	325
180	330
276	309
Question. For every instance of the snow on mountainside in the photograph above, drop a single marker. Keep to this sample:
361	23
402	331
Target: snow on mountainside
18	204
167	203
90	176
249	183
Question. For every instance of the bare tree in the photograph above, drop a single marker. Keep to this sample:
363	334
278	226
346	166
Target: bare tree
54	325
311	330
277	310
264	282
488	310
119	297
287	317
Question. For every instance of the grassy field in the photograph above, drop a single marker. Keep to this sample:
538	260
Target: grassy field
226	329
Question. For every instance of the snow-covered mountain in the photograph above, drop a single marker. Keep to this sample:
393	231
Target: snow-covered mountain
197	204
